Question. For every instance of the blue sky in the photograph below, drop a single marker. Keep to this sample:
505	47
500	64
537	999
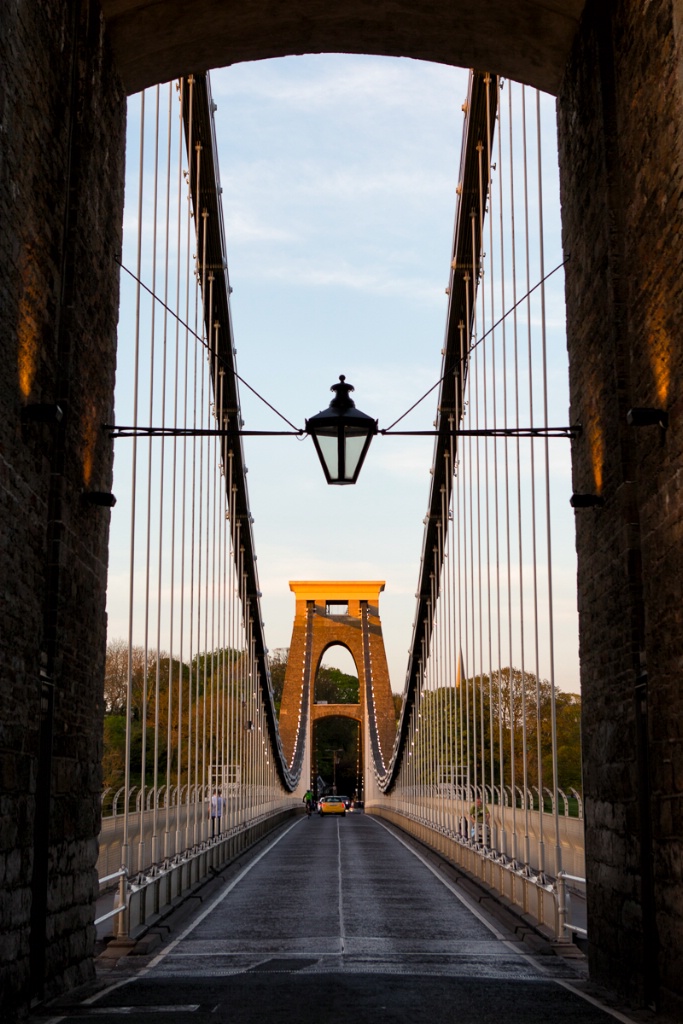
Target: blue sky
339	175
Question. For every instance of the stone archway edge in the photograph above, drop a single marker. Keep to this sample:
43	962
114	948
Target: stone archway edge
527	40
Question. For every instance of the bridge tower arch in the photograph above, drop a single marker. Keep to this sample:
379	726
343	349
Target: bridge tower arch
330	612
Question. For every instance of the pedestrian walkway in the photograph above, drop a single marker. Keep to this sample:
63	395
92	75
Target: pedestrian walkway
340	921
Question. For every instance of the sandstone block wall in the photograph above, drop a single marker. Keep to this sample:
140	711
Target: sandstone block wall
62	118
620	115
62	122
328	630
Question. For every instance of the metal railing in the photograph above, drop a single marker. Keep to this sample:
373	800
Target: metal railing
564	904
121	874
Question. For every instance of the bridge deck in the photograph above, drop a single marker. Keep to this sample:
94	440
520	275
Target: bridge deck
338	920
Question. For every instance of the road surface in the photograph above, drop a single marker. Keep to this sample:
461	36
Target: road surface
339	921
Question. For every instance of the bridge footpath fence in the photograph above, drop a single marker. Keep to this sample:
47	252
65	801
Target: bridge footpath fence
452	819
537	896
193	822
485	852
149	896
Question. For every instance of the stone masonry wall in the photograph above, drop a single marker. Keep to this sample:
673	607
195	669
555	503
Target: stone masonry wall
620	115
62	143
62	119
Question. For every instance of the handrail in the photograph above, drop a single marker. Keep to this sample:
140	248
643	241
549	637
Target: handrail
571	878
563	908
110	878
529	877
122	873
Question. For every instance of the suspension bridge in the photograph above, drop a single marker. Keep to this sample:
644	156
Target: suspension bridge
471	767
468	857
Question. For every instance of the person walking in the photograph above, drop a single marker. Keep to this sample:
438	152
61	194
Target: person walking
217	809
479	818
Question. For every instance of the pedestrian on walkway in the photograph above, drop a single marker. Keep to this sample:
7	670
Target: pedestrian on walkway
217	810
478	815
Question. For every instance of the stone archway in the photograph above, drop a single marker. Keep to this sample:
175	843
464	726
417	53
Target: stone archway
352	670
615	68
333	612
528	40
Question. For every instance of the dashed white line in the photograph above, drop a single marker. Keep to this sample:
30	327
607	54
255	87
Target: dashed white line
342	934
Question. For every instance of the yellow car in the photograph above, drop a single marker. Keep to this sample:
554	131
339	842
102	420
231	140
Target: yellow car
331	805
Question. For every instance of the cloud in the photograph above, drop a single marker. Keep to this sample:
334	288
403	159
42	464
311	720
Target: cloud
315	82
318	182
246	226
315	273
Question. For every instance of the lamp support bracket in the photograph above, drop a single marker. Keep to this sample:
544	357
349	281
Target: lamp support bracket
571	433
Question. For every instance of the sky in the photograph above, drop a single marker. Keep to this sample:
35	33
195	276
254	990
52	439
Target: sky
339	177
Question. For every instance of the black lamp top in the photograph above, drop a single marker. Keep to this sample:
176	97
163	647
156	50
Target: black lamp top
342	399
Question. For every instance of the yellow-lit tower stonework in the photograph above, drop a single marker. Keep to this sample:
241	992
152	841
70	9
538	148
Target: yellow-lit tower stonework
329	613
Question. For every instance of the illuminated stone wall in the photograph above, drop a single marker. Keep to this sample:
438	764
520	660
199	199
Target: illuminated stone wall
621	128
327	630
62	122
62	116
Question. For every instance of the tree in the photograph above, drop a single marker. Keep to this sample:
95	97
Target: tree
335	687
460	727
278	667
336	752
167	683
116	677
568	706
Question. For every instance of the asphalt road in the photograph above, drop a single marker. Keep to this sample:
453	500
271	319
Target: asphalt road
337	921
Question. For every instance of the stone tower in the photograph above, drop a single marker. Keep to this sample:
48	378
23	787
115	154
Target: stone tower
327	613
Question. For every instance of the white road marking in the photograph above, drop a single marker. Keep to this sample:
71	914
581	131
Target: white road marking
594	1002
342	934
190	928
121	1011
100	1011
365	964
499	935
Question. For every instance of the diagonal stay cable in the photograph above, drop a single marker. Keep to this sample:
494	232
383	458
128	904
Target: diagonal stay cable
201	340
478	342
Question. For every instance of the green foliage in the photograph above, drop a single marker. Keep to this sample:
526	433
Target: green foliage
459	725
335	687
568	711
278	667
207	666
113	760
150	676
336	753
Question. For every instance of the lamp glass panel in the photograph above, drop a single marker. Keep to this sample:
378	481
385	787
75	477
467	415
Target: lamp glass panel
354	442
329	449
